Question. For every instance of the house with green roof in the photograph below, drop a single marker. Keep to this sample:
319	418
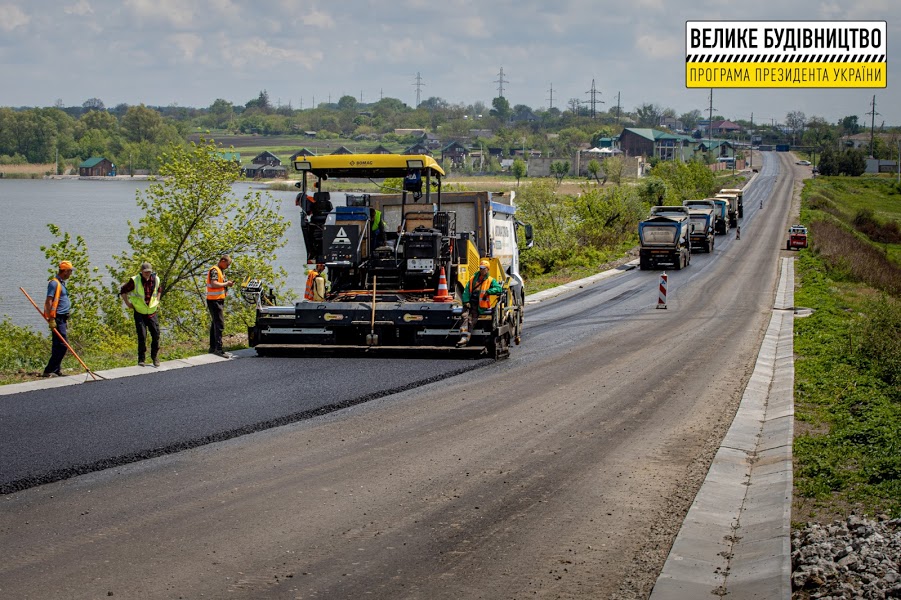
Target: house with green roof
635	141
96	166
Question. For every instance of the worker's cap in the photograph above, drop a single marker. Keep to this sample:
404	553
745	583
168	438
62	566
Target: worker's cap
320	266
65	266
146	268
484	264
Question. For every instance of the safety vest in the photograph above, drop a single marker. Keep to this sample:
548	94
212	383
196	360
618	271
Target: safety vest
137	295
314	290
215	293
377	221
59	288
486	300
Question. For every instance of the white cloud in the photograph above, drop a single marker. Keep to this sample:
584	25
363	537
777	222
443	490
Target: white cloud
179	13
187	44
253	50
80	8
11	17
317	18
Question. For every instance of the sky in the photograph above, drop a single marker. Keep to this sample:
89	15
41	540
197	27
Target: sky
191	52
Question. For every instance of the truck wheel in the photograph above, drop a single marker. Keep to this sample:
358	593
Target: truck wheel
788	245
679	262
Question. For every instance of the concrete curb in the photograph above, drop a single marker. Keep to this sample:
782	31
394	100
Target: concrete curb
181	363
736	537
574	285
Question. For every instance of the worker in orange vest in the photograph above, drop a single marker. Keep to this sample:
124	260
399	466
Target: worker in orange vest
477	299
56	310
216	290
317	283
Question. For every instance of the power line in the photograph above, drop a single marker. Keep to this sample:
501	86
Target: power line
500	83
419	84
593	94
872	114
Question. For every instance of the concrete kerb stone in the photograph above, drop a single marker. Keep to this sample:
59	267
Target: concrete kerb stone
580	283
752	502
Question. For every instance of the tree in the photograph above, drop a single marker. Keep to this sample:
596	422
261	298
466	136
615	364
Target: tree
648	115
852	162
849	125
594	169
690	119
501	108
519	169
93	104
347	103
795	120
141	124
559	169
190	219
261	102
614	168
653	191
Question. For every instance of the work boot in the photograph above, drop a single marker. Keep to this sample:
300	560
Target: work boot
141	363
464	339
156	362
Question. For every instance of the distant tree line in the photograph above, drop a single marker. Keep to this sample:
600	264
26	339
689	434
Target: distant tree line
134	136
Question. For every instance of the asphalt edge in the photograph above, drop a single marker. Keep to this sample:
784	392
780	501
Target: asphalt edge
736	537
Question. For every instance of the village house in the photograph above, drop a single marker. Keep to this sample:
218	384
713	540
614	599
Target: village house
96	166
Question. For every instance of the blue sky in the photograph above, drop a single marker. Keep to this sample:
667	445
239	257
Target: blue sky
191	52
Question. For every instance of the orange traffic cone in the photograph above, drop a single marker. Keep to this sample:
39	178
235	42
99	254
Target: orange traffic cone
441	295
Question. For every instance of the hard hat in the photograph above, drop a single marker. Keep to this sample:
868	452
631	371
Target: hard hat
146	268
65	266
484	264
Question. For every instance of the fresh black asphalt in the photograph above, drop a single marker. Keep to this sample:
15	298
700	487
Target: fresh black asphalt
53	434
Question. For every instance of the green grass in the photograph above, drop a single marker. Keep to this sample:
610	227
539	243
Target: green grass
847	450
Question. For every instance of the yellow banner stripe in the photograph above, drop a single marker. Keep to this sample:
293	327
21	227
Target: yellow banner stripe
785	75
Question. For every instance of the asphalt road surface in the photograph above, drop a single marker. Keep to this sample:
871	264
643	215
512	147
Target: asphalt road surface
562	472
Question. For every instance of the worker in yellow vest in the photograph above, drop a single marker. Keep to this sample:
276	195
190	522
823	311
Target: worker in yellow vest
142	295
477	298
317	284
216	290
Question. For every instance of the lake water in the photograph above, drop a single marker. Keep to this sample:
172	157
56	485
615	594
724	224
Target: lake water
98	211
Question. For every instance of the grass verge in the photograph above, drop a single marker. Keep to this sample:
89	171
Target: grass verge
847	449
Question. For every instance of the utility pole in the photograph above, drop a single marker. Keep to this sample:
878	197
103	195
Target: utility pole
872	114
710	128
592	94
551	99
500	83
751	144
361	96
617	107
418	85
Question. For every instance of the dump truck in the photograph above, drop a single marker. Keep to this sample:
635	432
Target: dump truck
740	192
669	211
664	240
398	286
702	223
732	200
721	214
797	237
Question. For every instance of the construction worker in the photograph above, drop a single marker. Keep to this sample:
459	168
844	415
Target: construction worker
378	236
57	307
476	299
317	283
216	290
142	294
